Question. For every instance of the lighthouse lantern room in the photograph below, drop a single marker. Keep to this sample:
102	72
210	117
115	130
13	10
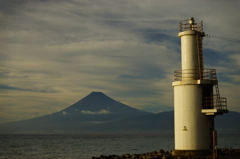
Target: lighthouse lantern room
196	96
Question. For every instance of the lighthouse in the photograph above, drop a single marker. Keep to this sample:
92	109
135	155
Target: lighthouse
196	96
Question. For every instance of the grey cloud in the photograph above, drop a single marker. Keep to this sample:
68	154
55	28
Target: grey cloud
71	48
45	90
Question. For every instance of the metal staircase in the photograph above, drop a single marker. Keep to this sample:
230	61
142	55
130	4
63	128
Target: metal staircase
218	102
200	56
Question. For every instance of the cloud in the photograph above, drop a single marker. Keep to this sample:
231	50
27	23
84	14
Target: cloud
46	90
101	111
54	53
64	113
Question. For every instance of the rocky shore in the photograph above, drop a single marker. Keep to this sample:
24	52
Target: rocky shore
225	153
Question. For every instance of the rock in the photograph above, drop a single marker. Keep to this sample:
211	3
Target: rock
135	156
143	155
161	151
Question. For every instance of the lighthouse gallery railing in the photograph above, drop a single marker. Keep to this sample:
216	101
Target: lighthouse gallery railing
215	102
184	26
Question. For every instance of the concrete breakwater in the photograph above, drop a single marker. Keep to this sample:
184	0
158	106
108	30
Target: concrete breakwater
225	153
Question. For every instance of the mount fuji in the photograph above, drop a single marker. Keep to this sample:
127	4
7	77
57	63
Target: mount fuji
98	103
94	109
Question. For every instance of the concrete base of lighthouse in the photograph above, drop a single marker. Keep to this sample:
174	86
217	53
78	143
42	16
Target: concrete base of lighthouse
192	128
191	152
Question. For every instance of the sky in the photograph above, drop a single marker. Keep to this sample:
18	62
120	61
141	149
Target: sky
55	52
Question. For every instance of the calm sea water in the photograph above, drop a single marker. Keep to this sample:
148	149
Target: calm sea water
86	146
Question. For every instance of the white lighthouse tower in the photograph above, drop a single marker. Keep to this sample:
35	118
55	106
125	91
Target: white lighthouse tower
196	96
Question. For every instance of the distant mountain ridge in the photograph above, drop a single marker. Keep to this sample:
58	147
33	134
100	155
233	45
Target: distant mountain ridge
98	113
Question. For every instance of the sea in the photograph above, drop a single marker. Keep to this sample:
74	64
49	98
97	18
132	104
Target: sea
85	146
